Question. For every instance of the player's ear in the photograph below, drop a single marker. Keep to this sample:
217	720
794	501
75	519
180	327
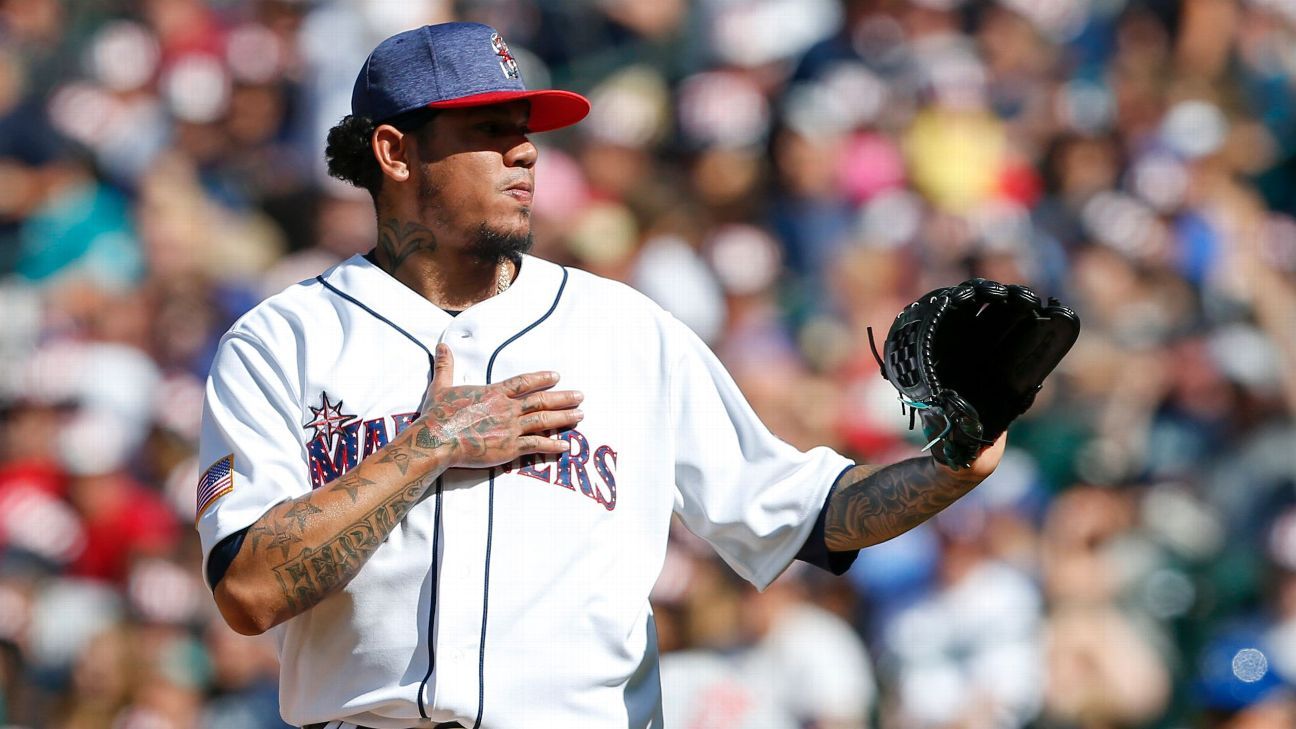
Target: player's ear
392	149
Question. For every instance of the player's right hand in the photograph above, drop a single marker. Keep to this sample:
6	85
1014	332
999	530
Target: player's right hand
479	426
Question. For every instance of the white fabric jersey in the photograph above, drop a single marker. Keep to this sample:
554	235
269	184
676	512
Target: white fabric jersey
532	610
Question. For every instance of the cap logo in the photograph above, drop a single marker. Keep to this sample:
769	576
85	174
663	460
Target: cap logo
507	64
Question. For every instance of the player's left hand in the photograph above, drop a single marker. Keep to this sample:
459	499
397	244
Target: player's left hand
983	465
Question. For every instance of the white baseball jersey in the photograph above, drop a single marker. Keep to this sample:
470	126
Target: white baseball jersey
514	596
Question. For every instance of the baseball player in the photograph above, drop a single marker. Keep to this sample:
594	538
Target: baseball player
438	531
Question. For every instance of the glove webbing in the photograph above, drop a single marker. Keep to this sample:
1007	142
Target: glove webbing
913	405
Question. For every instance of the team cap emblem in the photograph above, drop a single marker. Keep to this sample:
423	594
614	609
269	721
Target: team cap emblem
507	63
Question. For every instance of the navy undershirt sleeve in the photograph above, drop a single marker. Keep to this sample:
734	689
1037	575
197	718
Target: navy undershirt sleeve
815	550
222	556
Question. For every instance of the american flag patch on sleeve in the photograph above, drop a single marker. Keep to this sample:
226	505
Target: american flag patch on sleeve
214	483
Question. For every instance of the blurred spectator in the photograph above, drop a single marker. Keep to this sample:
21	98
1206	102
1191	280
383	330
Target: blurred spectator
968	651
244	690
805	659
1103	668
123	520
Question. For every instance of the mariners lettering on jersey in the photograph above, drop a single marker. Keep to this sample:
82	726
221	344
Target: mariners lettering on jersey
340	441
586	468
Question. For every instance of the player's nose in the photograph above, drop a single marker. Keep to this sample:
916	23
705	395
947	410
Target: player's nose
522	154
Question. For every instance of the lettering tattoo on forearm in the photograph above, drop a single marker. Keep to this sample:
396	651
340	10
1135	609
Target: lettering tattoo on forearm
315	572
315	557
400	239
308	573
875	504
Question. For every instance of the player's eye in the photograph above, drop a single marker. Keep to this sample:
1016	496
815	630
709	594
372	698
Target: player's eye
494	128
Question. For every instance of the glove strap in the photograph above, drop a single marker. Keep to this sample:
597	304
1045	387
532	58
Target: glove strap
878	357
949	425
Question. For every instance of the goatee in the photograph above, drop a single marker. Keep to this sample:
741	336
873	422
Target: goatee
492	246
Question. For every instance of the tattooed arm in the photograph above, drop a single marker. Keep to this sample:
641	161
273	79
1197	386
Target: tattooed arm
304	549
876	503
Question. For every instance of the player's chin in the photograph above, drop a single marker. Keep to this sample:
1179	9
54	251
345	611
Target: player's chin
516	222
496	242
509	216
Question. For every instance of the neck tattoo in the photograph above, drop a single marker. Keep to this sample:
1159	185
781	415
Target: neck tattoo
504	280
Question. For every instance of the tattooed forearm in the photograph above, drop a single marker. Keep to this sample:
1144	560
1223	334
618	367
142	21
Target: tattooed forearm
351	484
402	456
275	534
304	549
874	504
301	512
400	239
315	572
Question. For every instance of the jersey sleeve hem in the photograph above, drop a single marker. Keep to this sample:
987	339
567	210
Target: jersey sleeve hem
248	416
780	560
224	531
222	556
815	550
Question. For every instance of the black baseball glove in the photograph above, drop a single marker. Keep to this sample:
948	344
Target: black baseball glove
969	359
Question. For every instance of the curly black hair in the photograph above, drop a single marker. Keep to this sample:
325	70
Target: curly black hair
350	158
348	151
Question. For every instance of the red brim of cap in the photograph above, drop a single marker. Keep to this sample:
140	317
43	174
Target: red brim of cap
550	109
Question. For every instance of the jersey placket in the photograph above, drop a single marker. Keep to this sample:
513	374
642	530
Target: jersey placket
457	614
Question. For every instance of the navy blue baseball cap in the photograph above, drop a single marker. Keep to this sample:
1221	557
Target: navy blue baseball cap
453	66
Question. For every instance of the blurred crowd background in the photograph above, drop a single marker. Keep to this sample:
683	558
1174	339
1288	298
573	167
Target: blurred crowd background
781	174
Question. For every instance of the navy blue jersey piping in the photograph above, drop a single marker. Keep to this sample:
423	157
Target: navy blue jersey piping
385	320
490	514
436	520
432	601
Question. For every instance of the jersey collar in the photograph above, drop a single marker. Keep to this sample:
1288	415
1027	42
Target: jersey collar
531	294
